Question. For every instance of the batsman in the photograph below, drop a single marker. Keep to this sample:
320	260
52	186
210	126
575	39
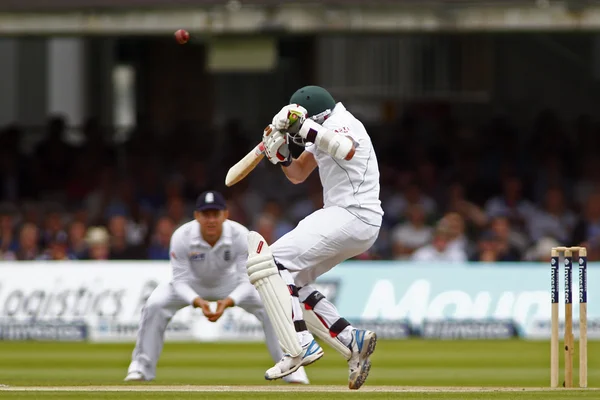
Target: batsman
348	224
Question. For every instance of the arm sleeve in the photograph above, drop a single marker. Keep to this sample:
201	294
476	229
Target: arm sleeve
342	129
244	288
180	265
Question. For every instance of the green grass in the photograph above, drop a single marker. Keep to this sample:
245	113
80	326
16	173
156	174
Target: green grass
305	396
395	363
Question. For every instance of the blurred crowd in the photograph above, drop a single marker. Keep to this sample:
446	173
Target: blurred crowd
450	192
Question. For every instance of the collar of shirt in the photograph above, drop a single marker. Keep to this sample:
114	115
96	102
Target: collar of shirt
339	108
224	240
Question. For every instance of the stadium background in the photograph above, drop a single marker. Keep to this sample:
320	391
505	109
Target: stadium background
483	114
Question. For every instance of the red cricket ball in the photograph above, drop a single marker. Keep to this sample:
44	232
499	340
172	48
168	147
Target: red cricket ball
182	36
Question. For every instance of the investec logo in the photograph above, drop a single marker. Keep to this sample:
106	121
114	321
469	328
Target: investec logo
568	281
418	303
554	280
582	281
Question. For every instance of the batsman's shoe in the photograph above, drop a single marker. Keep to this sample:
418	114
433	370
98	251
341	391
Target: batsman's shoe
299	377
362	346
288	364
134	376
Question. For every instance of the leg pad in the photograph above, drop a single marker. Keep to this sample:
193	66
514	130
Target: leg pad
273	291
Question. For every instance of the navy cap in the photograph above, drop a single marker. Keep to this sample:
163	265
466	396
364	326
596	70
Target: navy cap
210	200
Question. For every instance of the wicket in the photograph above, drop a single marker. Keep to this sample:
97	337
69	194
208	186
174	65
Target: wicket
568	336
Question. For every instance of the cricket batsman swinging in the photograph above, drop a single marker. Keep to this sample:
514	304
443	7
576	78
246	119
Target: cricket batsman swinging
348	224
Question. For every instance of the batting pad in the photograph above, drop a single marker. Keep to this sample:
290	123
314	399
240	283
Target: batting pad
316	327
273	291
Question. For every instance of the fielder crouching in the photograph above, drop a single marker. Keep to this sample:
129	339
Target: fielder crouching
208	258
348	224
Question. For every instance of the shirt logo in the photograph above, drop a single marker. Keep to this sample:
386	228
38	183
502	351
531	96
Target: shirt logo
194	256
227	255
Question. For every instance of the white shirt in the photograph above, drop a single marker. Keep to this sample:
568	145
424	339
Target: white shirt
412	237
430	254
223	266
544	224
353	184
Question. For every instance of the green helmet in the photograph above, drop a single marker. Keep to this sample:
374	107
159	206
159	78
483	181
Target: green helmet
318	102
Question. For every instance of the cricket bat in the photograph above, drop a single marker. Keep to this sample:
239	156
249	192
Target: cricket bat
243	167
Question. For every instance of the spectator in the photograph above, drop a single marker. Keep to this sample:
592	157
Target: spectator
427	176
176	211
469	211
98	241
97	200
120	249
455	226
487	248
8	241
97	188
555	220
511	242
440	250
589	182
77	244
540	251
196	179
53	226
7	255
138	227
308	205
492	248
123	200
511	203
587	230
57	250
31	213
397	204
282	225
236	204
265	225
28	243
159	248
411	235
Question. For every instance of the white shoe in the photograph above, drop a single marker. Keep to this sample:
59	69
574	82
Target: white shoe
362	346
288	364
298	377
134	376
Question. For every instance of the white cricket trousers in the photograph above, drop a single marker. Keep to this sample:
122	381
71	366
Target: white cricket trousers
321	241
162	304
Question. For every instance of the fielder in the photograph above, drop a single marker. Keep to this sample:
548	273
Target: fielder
338	144
208	257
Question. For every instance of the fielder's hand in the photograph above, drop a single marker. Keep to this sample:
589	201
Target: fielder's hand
290	118
276	146
221	306
199	302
